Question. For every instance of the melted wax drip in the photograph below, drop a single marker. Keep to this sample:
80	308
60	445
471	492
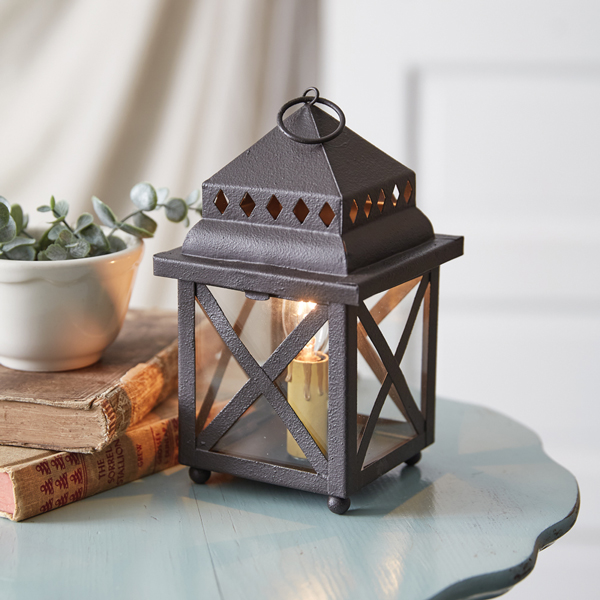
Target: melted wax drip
307	378
307	366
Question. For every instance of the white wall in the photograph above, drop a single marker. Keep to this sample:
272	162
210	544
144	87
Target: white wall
496	107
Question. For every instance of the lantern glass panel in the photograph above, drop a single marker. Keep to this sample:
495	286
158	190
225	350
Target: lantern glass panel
392	326
218	374
261	435
255	414
392	429
412	365
256	323
398	313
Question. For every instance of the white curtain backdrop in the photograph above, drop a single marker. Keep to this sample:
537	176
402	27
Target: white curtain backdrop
96	95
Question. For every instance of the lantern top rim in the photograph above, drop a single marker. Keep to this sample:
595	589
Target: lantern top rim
298	284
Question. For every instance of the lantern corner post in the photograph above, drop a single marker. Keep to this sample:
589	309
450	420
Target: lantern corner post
187	370
341	478
430	315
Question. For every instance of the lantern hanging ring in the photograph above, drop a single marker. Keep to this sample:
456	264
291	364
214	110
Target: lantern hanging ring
310	100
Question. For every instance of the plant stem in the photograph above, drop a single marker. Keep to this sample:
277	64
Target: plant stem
64	222
137	212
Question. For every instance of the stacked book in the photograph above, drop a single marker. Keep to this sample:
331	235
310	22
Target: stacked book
69	435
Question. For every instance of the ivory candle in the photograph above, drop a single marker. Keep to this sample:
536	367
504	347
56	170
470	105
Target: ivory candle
308	395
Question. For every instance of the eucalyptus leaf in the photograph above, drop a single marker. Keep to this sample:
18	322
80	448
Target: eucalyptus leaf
43	208
143	195
41	256
95	236
186	222
105	214
193	198
66	237
25	221
176	210
116	243
9	231
18	241
16	212
61	209
4	215
21	253
133	230
54	231
80	249
56	252
145	222
83	221
163	194
4	201
52	202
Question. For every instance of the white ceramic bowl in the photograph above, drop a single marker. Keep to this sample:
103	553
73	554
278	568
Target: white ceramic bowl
57	316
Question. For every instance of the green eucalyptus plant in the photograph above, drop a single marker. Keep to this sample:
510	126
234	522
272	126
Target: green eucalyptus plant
85	238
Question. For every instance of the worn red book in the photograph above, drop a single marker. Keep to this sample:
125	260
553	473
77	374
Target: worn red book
37	481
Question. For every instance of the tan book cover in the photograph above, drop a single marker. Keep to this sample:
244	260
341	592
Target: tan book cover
86	409
36	481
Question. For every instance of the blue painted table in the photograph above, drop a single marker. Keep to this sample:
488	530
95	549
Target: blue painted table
466	522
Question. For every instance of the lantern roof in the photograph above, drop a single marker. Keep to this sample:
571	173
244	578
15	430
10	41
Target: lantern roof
348	165
331	207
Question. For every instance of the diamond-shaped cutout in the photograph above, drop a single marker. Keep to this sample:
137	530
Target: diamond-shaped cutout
407	192
221	201
327	215
381	200
274	207
368	206
395	195
247	204
353	211
301	210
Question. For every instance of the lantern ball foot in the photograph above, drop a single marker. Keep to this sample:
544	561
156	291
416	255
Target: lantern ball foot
199	475
338	505
413	460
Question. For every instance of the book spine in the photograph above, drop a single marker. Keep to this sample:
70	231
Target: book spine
56	480
137	393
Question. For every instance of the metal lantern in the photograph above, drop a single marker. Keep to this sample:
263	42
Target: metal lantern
308	302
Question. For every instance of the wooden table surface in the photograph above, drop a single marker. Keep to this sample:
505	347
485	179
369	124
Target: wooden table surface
466	522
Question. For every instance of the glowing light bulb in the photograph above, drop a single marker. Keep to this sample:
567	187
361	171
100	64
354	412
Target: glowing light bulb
293	314
307	378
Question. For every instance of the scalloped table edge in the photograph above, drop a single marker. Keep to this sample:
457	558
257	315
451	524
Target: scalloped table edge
495	584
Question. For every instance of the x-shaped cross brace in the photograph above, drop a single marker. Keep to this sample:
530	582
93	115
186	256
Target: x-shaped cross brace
262	379
391	362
